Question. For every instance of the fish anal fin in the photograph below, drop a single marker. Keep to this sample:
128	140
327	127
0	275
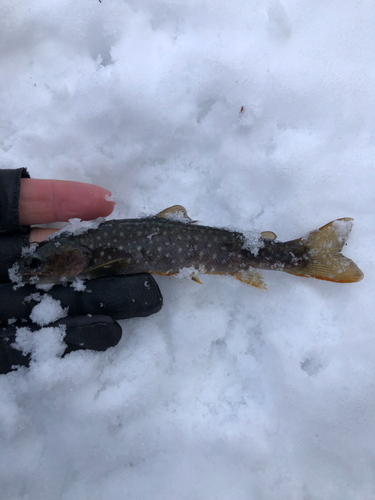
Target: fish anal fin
112	268
268	235
325	262
176	212
251	277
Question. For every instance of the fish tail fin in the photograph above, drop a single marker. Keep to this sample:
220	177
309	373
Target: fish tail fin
325	260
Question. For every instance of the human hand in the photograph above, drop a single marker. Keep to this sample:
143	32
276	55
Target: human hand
117	297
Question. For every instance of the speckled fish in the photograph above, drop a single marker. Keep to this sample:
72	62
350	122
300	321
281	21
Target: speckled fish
171	243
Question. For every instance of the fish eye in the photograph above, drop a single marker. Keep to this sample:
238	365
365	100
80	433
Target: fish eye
34	262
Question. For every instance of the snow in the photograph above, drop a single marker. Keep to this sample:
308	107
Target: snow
253	114
253	241
76	226
47	311
42	347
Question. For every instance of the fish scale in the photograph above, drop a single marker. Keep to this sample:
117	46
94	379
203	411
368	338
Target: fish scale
164	246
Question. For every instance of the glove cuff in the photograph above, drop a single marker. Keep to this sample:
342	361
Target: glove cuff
10	185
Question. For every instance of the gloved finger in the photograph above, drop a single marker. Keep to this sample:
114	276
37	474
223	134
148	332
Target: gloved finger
121	297
10	356
97	333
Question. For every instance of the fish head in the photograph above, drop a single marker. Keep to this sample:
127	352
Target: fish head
54	262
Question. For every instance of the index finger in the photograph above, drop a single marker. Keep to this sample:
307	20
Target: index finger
43	201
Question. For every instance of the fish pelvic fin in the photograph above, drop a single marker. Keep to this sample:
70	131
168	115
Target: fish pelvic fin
196	279
325	260
251	277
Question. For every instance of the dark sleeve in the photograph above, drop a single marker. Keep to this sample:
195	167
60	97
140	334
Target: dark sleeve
13	236
10	185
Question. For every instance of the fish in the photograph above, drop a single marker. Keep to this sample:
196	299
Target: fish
170	243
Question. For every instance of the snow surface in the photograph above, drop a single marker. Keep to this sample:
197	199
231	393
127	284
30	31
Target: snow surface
257	114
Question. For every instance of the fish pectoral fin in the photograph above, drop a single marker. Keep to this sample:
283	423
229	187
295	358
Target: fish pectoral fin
196	279
175	212
251	277
111	268
268	235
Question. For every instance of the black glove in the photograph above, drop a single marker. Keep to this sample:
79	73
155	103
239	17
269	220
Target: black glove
91	322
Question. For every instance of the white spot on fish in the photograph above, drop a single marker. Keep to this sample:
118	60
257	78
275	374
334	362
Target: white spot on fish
139	249
121	247
121	234
101	254
159	249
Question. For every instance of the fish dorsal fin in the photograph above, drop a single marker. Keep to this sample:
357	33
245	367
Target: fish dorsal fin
268	235
176	212
112	268
251	277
